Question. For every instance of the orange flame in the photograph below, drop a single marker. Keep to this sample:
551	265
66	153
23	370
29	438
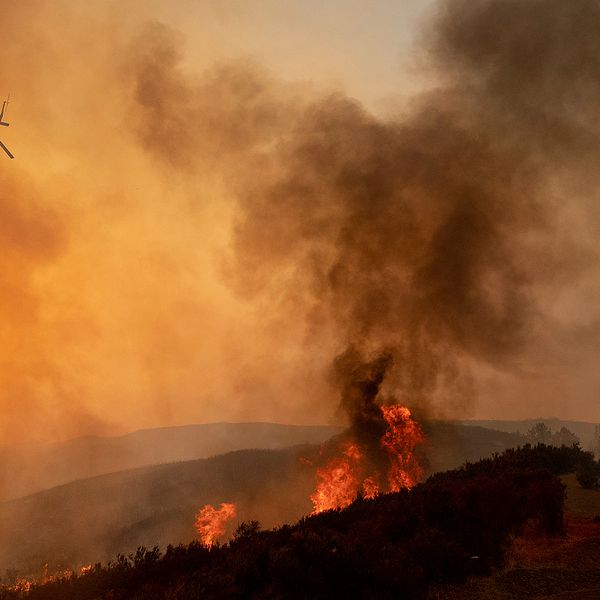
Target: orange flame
399	441
338	482
21	585
210	522
25	585
347	475
370	487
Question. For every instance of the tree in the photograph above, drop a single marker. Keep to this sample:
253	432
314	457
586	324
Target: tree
587	476
540	433
564	437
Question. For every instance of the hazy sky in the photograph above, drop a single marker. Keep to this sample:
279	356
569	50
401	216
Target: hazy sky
118	309
366	48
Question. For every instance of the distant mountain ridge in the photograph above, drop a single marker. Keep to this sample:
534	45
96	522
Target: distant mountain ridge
582	429
26	469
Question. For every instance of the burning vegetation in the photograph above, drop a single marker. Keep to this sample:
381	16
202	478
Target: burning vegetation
210	522
400	545
349	473
415	252
377	453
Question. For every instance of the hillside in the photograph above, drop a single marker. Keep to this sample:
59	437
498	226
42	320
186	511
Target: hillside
454	528
449	445
94	519
546	568
26	469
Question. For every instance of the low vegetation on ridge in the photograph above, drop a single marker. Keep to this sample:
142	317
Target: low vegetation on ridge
456	524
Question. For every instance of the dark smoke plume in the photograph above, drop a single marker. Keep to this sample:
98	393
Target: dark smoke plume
359	381
422	242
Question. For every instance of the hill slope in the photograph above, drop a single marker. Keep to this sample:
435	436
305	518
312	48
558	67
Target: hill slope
455	525
94	519
563	568
30	468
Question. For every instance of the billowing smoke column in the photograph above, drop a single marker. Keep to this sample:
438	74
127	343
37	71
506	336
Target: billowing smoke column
360	383
428	240
420	241
422	246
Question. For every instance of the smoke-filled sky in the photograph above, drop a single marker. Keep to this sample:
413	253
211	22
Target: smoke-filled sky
213	199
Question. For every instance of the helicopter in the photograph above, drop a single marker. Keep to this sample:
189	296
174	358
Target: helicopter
5	124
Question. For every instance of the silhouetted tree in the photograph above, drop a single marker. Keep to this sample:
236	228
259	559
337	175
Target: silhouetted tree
540	433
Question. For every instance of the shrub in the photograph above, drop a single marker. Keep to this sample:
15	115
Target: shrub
587	477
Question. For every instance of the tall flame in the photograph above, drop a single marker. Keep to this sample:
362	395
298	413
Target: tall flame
349	473
210	522
399	441
338	482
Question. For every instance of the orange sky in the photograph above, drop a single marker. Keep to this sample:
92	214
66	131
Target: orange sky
117	307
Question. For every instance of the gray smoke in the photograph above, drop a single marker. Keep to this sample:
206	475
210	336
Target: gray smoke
428	240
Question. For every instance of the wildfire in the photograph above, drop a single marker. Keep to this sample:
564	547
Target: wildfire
338	482
210	522
25	585
399	441
21	585
350	473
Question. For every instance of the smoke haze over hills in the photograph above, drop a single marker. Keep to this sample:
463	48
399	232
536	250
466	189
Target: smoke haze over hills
191	239
29	468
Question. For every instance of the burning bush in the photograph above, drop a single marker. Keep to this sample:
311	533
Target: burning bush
377	452
210	522
355	469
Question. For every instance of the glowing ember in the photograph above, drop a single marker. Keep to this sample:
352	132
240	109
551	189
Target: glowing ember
210	522
349	472
21	585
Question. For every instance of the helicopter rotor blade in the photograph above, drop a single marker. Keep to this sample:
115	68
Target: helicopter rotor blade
10	155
